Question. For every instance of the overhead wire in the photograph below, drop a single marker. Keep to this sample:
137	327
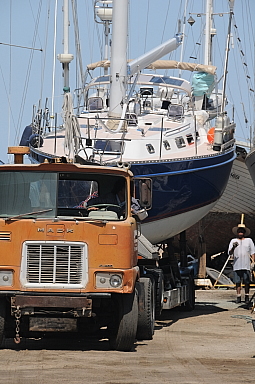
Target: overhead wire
45	48
23	99
146	25
165	23
247	77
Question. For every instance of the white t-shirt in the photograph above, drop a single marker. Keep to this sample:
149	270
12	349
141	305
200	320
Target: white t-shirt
242	253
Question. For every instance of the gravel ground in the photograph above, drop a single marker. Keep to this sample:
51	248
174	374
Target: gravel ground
213	343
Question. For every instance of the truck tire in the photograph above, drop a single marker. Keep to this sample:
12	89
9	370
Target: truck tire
2	319
146	313
123	329
158	276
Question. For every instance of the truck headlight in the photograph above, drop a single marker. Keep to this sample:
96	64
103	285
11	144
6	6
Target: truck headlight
115	281
6	278
108	280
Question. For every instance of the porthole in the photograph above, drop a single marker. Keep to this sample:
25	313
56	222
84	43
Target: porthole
150	148
190	138
180	142
166	145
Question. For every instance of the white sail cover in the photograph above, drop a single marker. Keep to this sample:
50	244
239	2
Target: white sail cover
164	64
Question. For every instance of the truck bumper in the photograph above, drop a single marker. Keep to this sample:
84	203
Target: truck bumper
28	304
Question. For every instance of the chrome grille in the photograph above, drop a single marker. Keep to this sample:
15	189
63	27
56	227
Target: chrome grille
54	263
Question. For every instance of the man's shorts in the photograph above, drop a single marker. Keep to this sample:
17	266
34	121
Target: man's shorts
242	276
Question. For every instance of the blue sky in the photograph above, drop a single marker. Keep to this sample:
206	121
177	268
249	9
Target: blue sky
26	75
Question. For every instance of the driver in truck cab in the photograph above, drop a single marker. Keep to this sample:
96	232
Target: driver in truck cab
115	199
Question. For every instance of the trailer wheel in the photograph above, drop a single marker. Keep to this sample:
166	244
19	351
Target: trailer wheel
2	319
146	313
190	304
122	332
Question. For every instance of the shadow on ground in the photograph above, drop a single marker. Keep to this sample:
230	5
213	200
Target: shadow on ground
99	341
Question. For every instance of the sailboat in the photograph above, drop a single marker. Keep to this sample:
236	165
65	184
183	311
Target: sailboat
156	125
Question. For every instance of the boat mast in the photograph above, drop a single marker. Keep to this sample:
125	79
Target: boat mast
65	58
118	57
208	33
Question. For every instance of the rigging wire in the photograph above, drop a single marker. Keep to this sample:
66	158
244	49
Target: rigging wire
45	46
250	50
245	68
164	28
80	75
183	33
21	46
146	26
23	99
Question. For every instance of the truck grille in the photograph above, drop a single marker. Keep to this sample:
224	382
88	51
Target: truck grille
54	264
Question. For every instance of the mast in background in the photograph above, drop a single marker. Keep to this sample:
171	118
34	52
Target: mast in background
118	57
208	33
104	13
66	57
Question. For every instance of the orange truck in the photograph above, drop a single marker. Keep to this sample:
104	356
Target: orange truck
69	254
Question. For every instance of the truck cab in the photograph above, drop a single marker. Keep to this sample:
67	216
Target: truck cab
68	248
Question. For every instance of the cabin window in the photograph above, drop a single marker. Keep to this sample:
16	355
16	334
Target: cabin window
146	91
109	146
166	145
131	119
150	148
180	142
95	104
175	111
190	138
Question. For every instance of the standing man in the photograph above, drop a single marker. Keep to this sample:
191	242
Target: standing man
242	248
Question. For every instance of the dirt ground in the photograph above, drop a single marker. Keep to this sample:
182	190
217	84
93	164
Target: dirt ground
213	344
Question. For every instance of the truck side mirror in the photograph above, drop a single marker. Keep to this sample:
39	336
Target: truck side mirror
145	191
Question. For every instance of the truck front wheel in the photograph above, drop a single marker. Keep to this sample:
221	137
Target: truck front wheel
122	331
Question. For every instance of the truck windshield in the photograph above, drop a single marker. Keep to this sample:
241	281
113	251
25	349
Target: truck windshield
25	192
52	194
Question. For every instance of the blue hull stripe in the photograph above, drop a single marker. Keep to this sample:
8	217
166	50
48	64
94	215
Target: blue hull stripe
187	170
